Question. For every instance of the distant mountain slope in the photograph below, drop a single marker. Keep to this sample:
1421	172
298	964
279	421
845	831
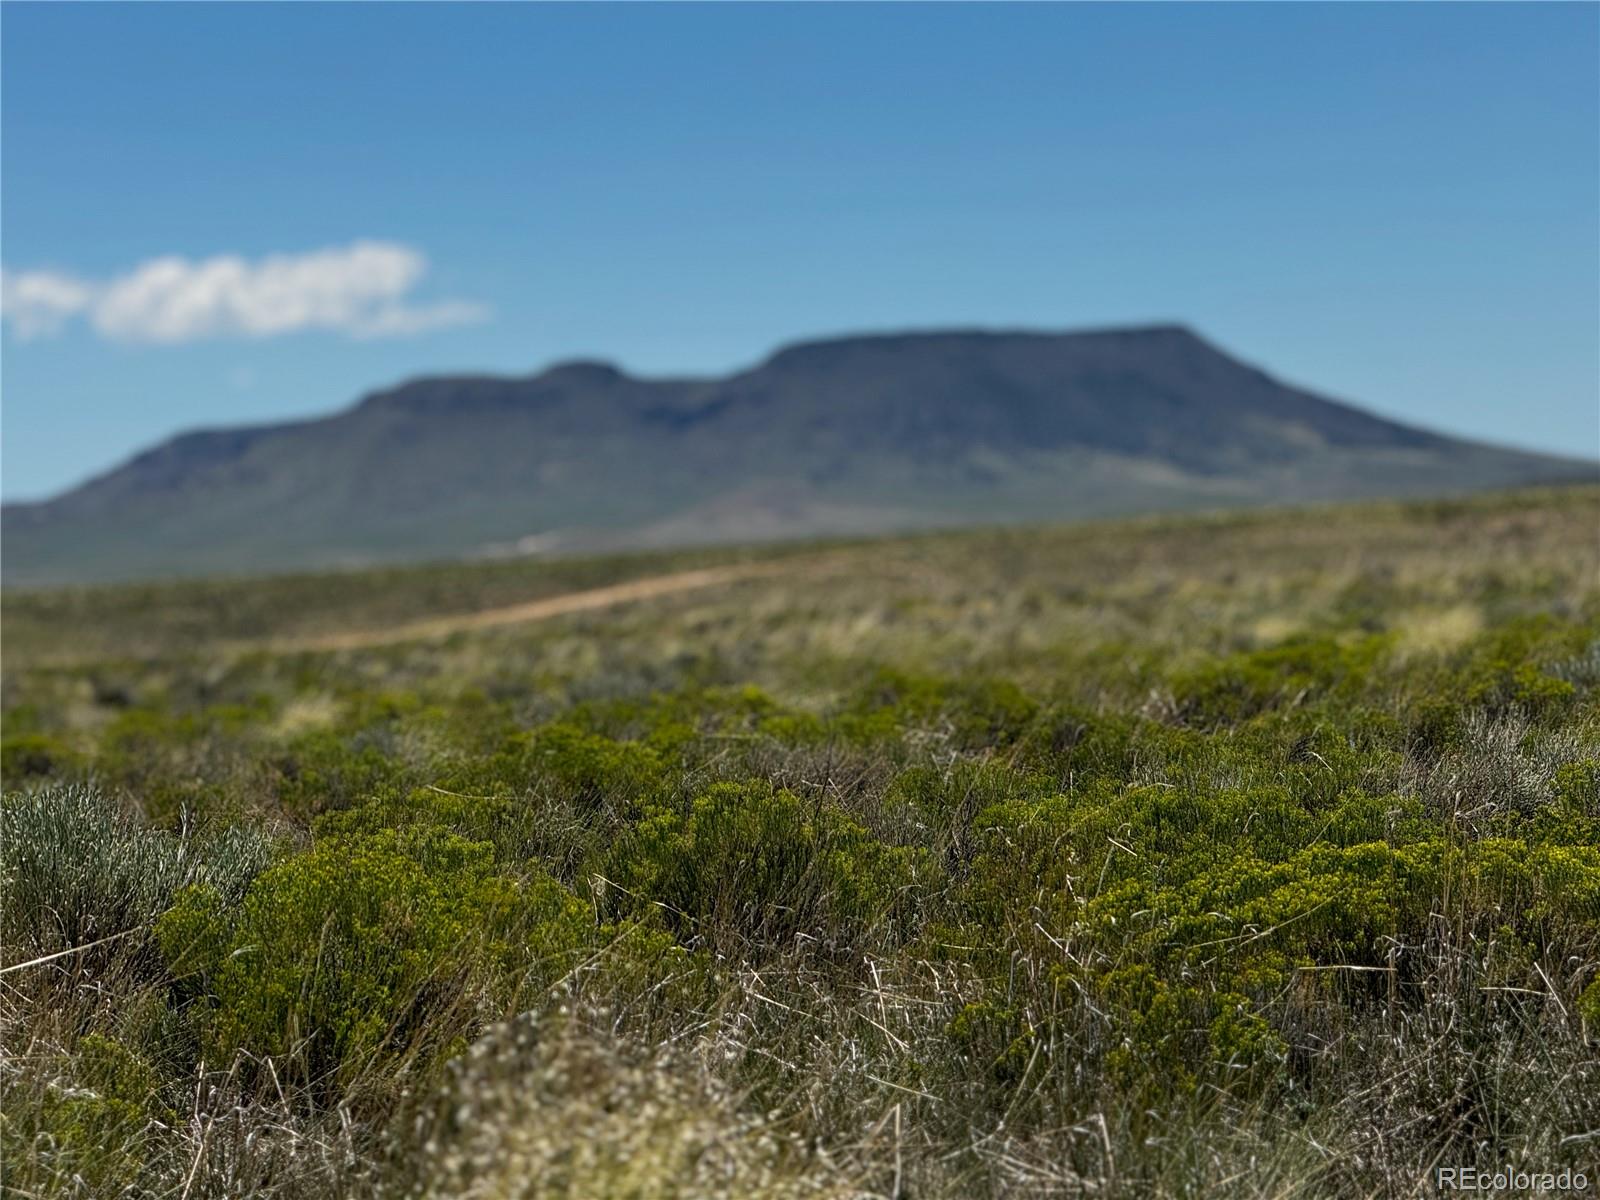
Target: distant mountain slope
850	435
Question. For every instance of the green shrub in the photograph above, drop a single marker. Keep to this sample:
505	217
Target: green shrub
1589	1005
977	712
1577	787
322	771
1511	667
749	869
592	770
1231	690
477	818
998	1038
363	952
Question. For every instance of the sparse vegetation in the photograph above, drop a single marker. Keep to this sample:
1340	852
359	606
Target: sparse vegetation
1247	855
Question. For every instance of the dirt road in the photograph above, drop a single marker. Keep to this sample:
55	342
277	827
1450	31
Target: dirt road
537	610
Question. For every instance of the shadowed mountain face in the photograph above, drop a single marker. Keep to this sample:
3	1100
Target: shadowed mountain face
854	435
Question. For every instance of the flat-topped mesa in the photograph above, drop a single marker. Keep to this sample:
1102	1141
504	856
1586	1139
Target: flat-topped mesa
932	347
828	350
848	435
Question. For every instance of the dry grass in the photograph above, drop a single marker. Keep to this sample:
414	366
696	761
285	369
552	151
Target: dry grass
1251	856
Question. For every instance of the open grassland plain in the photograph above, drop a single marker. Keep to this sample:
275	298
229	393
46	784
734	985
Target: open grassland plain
1254	855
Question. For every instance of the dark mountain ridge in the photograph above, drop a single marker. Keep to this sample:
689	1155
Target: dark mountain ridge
845	435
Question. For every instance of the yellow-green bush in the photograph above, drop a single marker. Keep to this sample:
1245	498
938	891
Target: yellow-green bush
364	952
746	866
592	769
1234	689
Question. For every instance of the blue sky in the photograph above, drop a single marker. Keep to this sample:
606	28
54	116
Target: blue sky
1397	205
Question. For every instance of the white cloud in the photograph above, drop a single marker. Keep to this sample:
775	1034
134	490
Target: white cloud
40	302
361	290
